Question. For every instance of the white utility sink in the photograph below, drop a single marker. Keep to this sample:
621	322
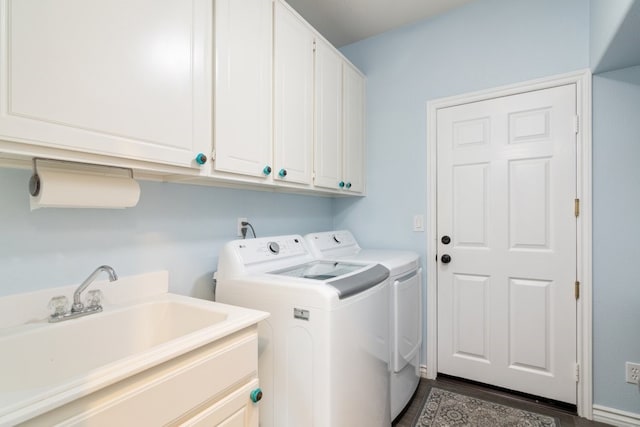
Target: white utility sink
44	365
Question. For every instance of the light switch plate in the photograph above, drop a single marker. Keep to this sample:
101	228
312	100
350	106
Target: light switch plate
418	222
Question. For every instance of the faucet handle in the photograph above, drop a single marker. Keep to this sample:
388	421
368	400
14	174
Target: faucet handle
58	305
93	298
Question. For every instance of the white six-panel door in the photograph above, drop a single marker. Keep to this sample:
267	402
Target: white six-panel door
506	178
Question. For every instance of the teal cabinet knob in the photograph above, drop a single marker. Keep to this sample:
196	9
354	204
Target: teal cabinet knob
201	159
256	395
341	184
266	170
282	173
348	185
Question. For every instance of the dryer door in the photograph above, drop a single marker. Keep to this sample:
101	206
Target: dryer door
406	319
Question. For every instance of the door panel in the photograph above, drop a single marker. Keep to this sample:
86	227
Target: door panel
470	195
293	97
506	187
243	81
471	316
328	114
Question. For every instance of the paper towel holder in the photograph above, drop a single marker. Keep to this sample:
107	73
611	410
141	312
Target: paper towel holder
34	180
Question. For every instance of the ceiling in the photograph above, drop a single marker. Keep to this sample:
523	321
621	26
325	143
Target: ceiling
346	21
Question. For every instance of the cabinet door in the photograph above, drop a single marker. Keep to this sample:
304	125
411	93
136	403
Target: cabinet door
328	101
234	410
353	101
293	97
129	78
243	55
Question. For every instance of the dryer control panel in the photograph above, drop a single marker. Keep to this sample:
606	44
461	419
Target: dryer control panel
333	243
253	251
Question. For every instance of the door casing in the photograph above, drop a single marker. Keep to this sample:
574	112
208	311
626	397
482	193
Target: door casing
582	80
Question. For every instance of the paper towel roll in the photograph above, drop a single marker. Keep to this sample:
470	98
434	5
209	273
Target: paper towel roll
80	189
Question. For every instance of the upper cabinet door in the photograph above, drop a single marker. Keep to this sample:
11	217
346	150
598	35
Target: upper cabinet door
129	78
328	132
243	70
354	107
293	97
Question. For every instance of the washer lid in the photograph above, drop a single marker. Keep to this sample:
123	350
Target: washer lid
346	278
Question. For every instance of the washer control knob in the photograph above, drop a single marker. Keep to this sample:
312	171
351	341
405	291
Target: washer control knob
256	395
274	248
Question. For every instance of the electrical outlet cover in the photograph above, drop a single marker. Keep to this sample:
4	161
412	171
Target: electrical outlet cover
239	226
633	372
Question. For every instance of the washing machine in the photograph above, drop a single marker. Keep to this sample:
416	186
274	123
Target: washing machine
405	311
324	352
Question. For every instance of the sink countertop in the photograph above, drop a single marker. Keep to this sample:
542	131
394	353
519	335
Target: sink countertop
20	405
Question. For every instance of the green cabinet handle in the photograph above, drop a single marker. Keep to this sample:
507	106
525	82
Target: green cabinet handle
201	159
256	395
341	184
266	170
348	185
282	173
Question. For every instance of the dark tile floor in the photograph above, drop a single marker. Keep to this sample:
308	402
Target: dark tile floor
412	411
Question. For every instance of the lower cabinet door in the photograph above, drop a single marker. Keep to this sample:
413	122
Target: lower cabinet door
235	410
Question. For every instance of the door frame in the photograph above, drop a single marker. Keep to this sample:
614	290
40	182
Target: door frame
582	80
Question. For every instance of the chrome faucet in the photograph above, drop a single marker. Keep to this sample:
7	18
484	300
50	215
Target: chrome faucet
77	304
59	303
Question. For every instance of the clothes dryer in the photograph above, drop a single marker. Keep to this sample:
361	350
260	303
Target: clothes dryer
324	351
405	310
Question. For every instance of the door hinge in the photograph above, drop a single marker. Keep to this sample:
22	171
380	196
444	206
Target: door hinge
576	207
576	124
577	372
213	155
577	290
314	45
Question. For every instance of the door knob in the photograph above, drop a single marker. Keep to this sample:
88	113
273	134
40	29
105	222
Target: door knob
446	258
445	240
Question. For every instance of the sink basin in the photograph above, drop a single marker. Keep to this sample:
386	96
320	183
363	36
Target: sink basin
44	365
48	355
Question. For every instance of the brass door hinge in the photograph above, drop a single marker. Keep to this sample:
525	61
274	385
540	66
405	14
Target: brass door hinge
577	290
576	208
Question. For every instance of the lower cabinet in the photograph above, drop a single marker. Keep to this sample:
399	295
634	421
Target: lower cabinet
235	410
212	385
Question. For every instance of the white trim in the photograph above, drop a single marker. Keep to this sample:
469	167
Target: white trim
582	80
615	417
423	371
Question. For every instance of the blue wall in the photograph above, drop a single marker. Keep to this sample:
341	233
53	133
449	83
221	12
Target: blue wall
616	233
175	227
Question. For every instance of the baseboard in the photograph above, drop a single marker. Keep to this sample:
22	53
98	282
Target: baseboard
423	371
615	417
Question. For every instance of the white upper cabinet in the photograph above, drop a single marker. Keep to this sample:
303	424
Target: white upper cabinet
243	86
354	107
125	78
339	143
293	96
328	115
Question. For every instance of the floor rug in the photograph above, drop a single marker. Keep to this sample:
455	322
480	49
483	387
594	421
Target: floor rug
445	408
